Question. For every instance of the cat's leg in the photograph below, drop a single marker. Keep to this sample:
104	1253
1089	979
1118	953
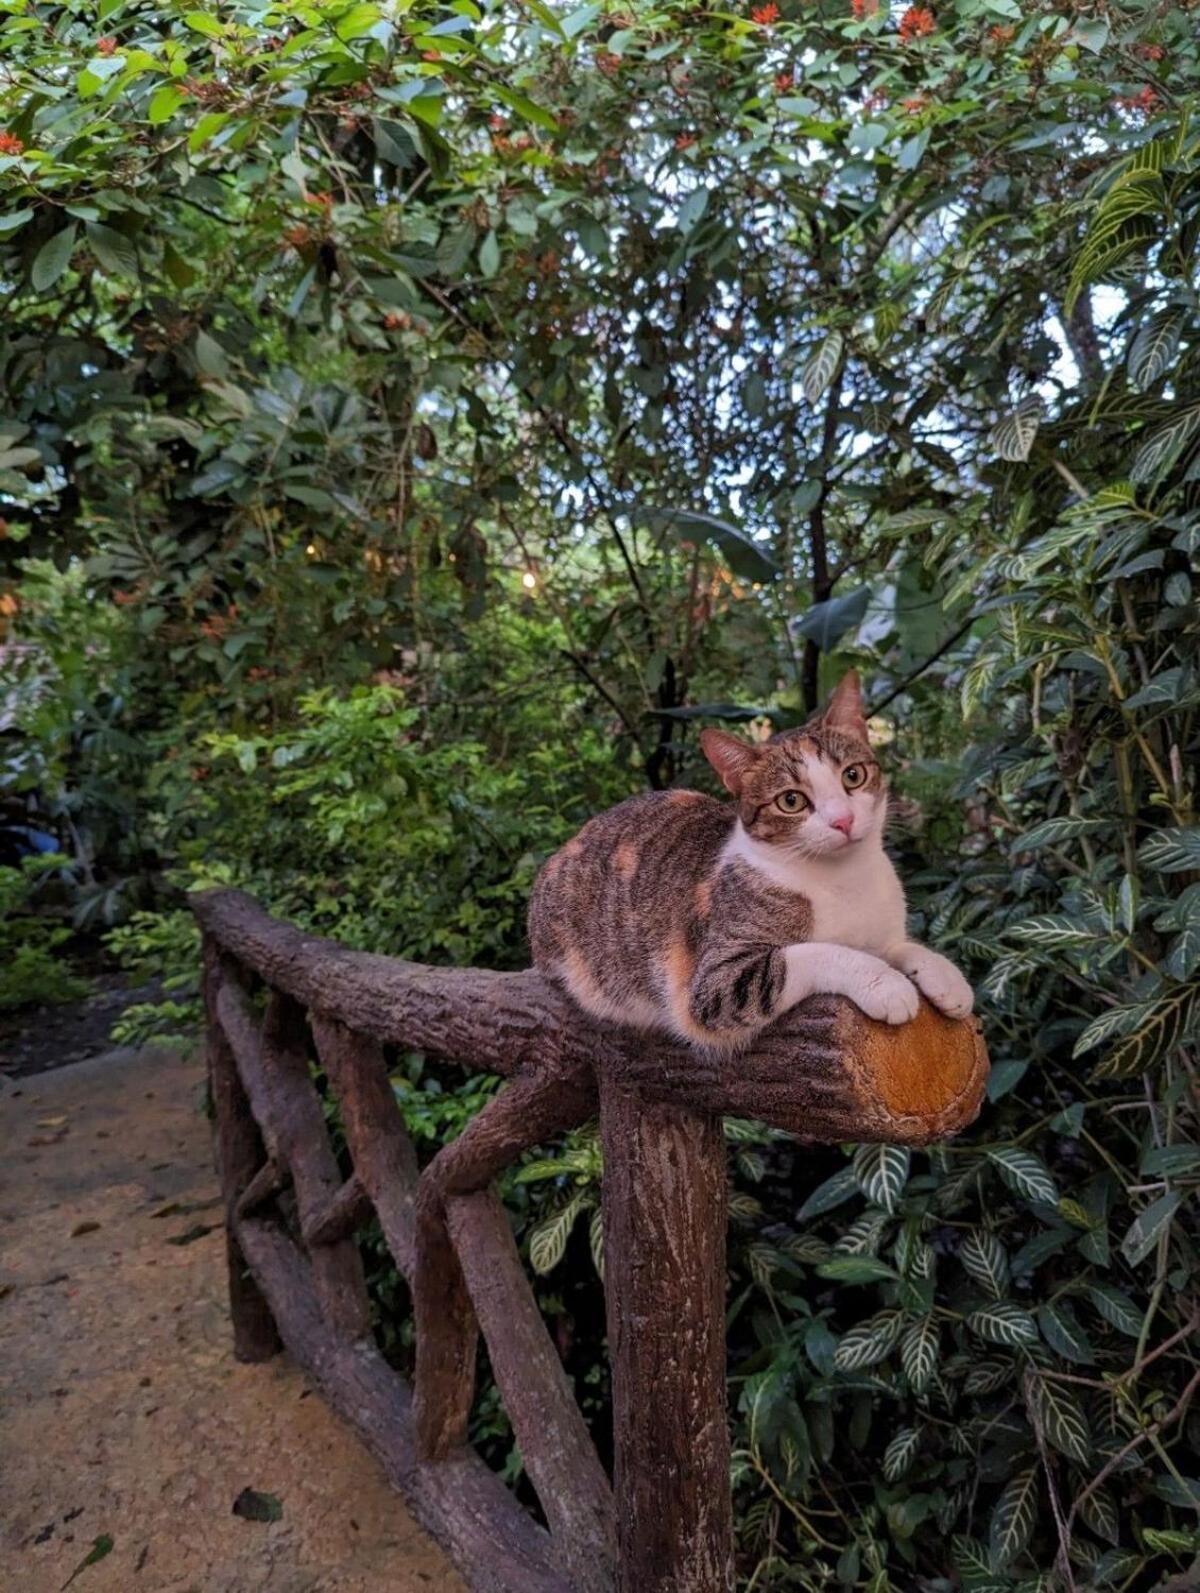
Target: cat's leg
938	980
737	990
821	968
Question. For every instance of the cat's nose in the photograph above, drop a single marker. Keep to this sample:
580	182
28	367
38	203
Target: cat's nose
843	822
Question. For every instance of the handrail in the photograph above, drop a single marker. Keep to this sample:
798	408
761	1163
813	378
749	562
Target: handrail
823	1072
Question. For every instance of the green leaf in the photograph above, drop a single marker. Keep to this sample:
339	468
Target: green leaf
1063	1333
1147	1227
865	136
1003	1323
900	1453
912	150
826	623
919	1353
1172	851
114	251
1099	1512
548	1241
101	1548
986	1260
489	254
1163	447
1055	1409
1025	1174
578	20
821	366
744	556
254	1506
527	109
13	220
826	1196
1014	1517
868	1343
855	1269
1117	1309
1161	1026
164	102
1050	831
882	1172
1154	347
1012	435
201	22
52	259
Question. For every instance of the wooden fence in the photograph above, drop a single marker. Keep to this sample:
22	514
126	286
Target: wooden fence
664	1523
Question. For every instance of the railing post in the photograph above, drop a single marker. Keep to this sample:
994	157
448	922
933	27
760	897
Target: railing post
240	1155
665	1207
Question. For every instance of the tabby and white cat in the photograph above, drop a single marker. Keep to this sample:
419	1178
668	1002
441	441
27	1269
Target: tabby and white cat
707	919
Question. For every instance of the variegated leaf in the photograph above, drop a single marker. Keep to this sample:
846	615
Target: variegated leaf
900	1453
986	1261
1003	1323
869	1342
1014	1516
1055	1409
548	1241
822	363
919	1353
882	1172
1012	435
1025	1174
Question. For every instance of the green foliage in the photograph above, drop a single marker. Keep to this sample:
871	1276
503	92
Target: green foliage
416	419
30	972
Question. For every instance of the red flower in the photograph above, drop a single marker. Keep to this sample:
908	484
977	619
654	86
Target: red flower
916	21
685	140
864	8
107	45
784	83
608	63
1001	34
497	122
10	144
325	200
1151	52
915	104
765	15
397	321
297	237
1144	101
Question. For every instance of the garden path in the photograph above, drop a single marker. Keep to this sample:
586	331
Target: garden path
125	1416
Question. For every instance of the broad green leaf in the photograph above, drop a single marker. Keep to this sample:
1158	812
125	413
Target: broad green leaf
1148	1226
1117	1309
882	1172
919	1353
52	259
1003	1323
113	250
986	1260
1063	1332
868	1343
1057	1411
833	1192
745	557
822	365
1025	1174
1014	1516
900	1453
826	623
1154	347
855	1269
1171	851
1012	435
548	1241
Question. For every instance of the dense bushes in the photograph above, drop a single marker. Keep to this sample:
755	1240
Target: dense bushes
416	421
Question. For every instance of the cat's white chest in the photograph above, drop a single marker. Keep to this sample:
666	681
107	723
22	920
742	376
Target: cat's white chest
856	900
861	907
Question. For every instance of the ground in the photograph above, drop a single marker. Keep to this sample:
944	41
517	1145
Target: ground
125	1414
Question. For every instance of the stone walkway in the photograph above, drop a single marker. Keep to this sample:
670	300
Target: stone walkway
123	1415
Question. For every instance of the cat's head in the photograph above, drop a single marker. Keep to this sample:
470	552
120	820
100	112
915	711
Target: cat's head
815	791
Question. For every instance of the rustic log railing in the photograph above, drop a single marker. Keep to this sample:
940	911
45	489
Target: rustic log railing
824	1072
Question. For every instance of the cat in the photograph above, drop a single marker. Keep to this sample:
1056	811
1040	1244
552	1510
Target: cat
676	912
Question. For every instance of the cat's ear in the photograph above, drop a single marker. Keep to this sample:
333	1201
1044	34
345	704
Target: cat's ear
844	711
730	756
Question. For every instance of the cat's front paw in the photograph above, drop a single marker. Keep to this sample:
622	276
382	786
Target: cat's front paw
886	996
940	982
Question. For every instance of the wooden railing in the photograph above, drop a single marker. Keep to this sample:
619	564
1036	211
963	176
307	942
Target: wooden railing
664	1524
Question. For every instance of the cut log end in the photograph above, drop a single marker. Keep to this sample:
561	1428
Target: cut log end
919	1082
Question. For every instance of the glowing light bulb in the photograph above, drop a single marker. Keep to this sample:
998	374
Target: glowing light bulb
529	580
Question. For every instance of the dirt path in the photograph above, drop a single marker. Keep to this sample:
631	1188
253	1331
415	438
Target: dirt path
123	1415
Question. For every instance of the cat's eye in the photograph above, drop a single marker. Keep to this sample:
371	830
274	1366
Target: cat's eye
791	801
854	775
